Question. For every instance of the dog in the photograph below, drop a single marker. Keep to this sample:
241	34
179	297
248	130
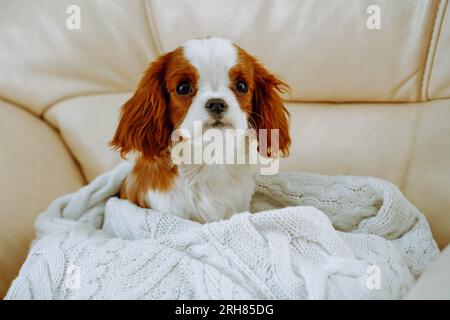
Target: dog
216	83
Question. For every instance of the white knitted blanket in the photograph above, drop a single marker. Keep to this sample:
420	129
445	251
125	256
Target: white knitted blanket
336	237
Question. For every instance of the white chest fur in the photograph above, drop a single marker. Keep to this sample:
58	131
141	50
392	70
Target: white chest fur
206	193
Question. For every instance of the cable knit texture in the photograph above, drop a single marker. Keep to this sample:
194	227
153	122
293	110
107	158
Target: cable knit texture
313	237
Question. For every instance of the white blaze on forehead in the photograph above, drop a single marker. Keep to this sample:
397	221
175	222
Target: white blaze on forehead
213	58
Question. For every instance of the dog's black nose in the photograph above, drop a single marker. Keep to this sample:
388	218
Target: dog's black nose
216	106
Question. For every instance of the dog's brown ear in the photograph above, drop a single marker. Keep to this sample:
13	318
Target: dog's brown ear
269	112
144	124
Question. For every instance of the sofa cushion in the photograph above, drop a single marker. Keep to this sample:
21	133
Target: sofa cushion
323	49
87	124
42	61
407	144
35	168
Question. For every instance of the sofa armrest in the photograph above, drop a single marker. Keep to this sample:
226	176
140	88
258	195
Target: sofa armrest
35	168
435	282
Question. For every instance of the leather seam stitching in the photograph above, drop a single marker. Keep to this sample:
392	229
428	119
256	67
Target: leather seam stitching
413	147
444	13
151	18
431	50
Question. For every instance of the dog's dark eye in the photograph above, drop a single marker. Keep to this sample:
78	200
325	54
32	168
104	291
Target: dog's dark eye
241	87
184	88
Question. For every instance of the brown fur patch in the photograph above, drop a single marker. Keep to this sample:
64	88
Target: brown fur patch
157	175
147	121
263	102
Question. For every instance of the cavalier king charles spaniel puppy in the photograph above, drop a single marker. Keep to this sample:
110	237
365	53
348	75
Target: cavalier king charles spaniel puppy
213	82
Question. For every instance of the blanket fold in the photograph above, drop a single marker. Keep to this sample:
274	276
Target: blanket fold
309	237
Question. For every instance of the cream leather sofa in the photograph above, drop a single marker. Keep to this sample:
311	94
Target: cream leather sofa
363	102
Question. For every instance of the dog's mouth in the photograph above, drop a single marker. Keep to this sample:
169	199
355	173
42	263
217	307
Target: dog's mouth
218	124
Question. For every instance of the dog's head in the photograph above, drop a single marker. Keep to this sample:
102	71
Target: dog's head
208	80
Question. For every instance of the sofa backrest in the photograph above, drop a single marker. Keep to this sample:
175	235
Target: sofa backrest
323	49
